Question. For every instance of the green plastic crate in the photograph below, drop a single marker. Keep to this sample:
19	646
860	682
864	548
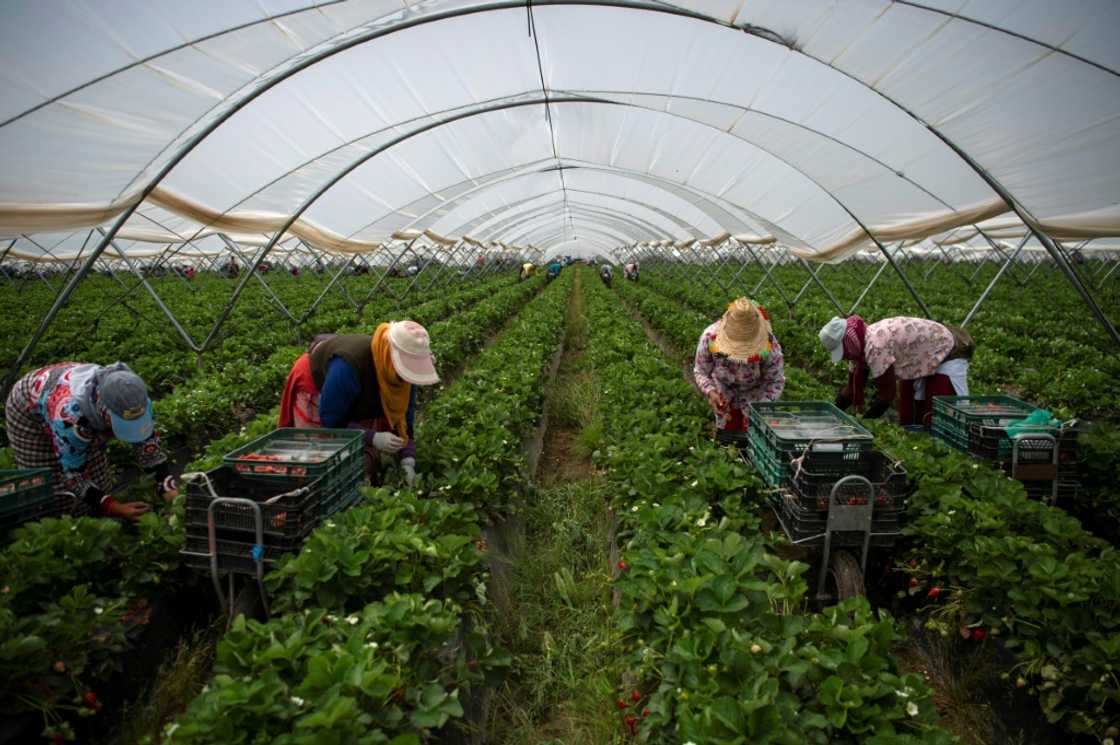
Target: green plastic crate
25	494
772	470
989	411
950	432
794	426
301	455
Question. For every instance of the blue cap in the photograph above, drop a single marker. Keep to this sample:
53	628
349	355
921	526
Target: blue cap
130	410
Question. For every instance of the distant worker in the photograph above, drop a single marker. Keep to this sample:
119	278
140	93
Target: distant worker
365	382
926	359
606	273
62	417
739	362
631	271
527	270
554	269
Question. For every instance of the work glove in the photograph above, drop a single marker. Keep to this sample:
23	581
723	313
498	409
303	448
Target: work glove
168	489
843	402
387	442
408	467
876	409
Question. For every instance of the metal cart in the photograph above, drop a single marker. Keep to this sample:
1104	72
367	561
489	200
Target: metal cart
848	524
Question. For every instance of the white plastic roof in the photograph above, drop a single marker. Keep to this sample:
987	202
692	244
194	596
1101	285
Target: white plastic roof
808	121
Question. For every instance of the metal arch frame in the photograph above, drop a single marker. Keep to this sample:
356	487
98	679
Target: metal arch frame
372	34
670	187
568	231
481	221
885	167
494	219
512	223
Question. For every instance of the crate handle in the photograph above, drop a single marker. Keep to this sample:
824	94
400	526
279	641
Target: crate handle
202	476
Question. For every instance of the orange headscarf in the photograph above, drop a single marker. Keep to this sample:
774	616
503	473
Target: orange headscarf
395	391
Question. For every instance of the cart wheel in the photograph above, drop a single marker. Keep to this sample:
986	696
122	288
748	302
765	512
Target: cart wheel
247	600
845	579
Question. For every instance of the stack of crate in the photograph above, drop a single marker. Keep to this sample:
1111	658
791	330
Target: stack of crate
25	495
1043	457
296	478
804	448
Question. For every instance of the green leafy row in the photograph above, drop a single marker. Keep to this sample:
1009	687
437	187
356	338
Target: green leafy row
1003	565
716	632
389	667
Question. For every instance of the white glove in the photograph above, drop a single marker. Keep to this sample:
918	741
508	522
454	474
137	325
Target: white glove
408	465
387	442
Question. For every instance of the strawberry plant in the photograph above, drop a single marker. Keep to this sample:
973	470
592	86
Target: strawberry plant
715	623
388	543
373	676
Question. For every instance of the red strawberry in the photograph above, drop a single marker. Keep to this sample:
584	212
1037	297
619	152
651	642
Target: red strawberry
58	738
913	583
91	699
978	634
621	704
635	696
645	713
632	723
622	565
398	695
933	593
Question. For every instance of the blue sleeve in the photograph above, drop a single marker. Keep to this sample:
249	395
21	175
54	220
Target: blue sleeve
340	388
410	415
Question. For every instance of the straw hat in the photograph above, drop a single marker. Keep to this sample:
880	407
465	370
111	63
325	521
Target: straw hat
744	331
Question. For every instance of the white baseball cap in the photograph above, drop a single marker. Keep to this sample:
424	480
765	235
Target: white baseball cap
832	337
411	352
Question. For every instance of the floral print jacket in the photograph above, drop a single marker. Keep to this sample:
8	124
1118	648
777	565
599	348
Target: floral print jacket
914	347
739	383
62	395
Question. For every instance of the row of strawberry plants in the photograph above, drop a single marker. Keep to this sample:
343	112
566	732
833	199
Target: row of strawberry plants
58	562
1099	497
217	400
381	615
1075	377
976	538
461	332
239	372
713	622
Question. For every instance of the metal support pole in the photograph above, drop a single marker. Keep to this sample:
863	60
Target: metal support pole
183	334
813	278
898	270
999	250
268	289
992	284
384	275
862	295
307	314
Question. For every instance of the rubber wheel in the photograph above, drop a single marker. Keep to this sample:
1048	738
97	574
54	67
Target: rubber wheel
845	580
247	600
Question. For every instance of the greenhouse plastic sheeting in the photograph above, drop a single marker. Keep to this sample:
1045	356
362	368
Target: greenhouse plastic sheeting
809	121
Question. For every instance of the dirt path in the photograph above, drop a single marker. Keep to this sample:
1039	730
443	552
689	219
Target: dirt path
557	621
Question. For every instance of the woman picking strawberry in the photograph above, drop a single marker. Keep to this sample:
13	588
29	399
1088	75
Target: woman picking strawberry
364	382
926	359
739	361
62	417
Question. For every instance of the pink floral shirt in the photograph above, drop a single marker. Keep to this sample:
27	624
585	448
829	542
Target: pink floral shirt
740	383
914	346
